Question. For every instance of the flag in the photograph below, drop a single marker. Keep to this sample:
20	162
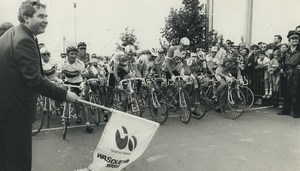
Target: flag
124	139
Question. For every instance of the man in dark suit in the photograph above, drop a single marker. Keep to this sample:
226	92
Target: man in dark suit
21	79
292	70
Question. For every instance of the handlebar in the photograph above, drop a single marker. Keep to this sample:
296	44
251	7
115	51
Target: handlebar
131	79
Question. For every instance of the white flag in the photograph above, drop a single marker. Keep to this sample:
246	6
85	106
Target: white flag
124	139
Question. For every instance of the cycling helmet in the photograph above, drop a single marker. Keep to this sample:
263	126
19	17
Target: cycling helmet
81	44
129	49
184	41
71	48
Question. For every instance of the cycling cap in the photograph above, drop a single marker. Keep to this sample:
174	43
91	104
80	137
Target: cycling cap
185	41
71	48
81	44
129	49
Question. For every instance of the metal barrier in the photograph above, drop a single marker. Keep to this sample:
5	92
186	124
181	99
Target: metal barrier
256	83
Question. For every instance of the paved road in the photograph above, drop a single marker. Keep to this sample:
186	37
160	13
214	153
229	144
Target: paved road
259	140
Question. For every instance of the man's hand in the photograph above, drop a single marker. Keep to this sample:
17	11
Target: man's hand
228	79
71	97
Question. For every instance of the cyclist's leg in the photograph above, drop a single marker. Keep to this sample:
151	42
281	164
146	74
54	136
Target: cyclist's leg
221	86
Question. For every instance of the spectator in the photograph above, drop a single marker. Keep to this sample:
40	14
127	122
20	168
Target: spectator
250	63
276	44
292	67
262	63
264	48
22	79
244	53
274	73
4	27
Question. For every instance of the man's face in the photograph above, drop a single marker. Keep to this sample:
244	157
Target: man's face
82	49
38	22
294	41
298	29
276	39
244	52
283	48
45	56
264	47
72	57
261	57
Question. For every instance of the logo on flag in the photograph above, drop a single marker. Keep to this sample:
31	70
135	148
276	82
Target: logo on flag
123	142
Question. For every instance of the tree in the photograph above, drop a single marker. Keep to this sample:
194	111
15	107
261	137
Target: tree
186	22
128	38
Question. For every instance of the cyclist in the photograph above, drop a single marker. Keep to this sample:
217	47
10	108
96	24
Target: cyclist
120	66
223	75
82	54
50	70
49	66
74	71
176	56
147	63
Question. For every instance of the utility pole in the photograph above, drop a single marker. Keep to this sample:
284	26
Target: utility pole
75	5
248	22
210	10
64	44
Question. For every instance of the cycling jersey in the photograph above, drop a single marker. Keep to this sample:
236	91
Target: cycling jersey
124	62
73	71
175	57
148	65
49	68
196	65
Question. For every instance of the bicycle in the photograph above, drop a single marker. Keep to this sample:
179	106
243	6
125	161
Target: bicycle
157	101
178	98
69	111
39	117
94	97
231	101
125	99
198	105
248	93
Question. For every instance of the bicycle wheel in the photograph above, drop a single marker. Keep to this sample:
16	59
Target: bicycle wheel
198	107
232	103
134	106
94	111
248	95
158	107
38	119
65	118
143	96
170	93
118	100
184	110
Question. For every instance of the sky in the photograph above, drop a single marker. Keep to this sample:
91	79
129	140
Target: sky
99	23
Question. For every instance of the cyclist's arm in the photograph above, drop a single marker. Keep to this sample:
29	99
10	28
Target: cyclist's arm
168	66
137	72
115	72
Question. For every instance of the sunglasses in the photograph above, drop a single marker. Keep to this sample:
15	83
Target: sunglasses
82	48
44	54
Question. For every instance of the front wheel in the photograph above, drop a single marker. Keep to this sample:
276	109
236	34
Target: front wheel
65	118
38	119
158	107
199	108
94	111
184	104
232	103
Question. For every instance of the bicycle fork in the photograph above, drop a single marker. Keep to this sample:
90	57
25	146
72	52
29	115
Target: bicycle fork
155	102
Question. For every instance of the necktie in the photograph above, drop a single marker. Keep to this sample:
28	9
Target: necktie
37	46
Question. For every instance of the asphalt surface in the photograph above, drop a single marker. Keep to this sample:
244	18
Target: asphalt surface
258	140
